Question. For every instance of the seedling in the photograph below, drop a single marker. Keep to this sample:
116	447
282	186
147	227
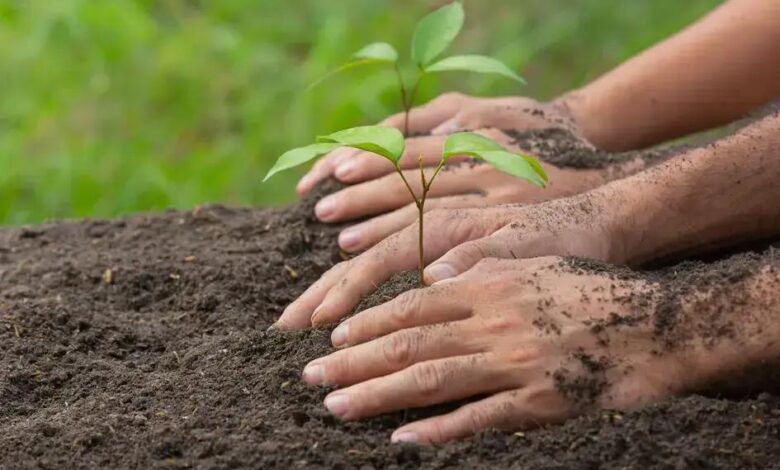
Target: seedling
433	35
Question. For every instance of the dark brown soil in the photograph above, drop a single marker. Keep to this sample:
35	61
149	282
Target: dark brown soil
142	343
561	148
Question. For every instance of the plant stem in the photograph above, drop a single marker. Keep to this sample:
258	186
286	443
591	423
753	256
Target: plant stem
410	104
407	97
421	212
404	98
436	172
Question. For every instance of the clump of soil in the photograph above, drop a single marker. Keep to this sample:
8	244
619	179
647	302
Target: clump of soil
559	147
142	343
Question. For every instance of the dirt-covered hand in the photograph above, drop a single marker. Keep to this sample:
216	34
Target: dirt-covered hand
539	337
448	113
582	225
458	186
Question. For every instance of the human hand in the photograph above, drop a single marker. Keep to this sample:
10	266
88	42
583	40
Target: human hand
584	225
458	186
443	115
543	339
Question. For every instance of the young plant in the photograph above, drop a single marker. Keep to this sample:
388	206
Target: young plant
434	33
432	36
389	143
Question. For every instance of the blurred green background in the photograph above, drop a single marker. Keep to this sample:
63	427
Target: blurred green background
113	106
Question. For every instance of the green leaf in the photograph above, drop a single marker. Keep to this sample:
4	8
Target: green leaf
474	63
462	143
297	156
385	141
537	167
478	146
374	53
435	32
378	51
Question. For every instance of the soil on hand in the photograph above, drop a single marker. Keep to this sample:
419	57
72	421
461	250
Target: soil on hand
142	343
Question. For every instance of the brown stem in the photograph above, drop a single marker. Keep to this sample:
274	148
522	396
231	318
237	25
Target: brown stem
404	99
410	104
420	203
421	211
436	172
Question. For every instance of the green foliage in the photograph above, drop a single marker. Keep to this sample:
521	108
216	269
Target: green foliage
435	32
473	63
299	156
110	107
384	141
378	51
478	146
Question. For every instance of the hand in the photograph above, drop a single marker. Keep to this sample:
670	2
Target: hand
459	186
586	225
445	114
543	340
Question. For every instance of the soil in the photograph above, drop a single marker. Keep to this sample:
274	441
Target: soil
142	343
561	148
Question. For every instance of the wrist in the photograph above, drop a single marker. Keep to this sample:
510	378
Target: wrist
588	117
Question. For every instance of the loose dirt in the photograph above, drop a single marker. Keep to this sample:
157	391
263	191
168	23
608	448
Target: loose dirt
142	343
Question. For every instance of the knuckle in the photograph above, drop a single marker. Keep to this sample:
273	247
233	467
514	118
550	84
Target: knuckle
428	378
399	348
477	418
407	306
525	355
337	368
475	251
498	324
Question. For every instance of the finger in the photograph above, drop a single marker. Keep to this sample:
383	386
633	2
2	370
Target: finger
418	307
298	314
506	411
365	165
424	383
390	192
447	127
399	252
389	354
505	243
323	169
424	118
366	234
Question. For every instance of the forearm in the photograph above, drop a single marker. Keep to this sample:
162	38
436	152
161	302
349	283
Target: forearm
711	196
712	73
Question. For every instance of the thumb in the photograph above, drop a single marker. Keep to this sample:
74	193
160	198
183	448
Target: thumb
464	256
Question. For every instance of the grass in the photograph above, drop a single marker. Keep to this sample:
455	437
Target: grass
115	106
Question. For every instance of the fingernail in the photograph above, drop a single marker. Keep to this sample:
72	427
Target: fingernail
345	169
304	183
439	272
340	335
314	374
337	404
404	436
325	208
349	238
272	328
